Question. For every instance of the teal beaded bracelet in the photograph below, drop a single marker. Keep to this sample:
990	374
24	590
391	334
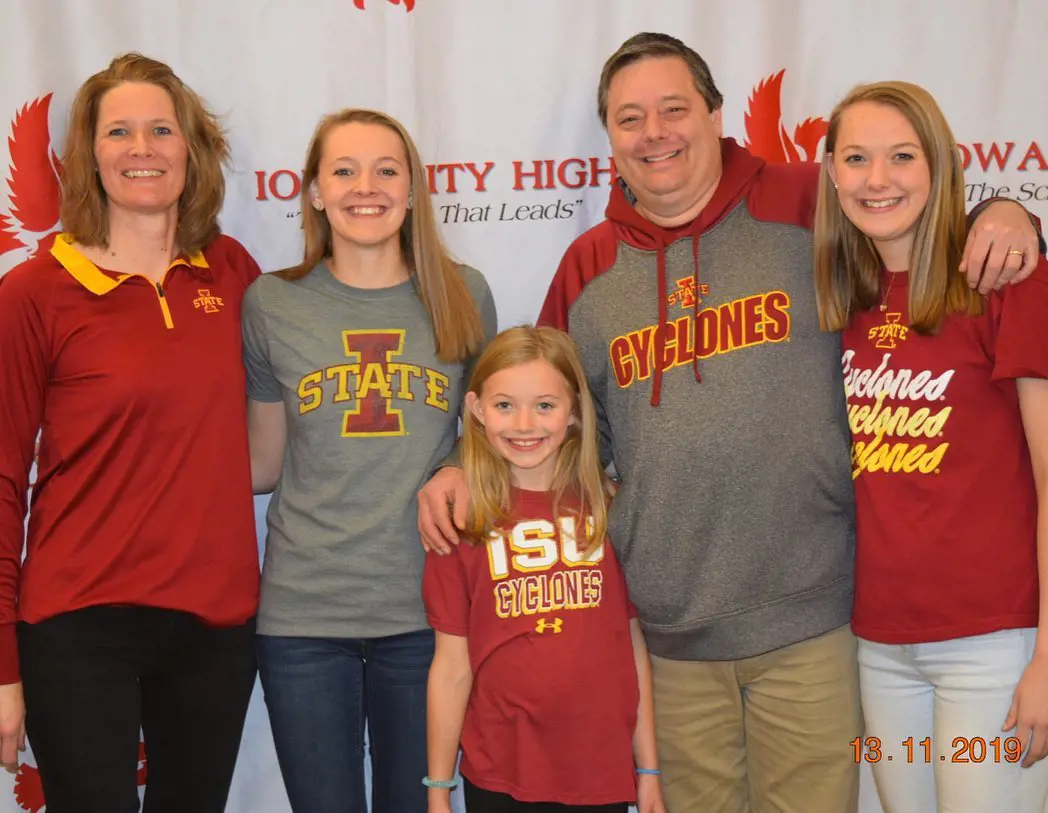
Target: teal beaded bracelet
447	784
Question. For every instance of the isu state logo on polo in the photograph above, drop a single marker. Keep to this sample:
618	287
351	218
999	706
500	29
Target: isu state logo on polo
209	303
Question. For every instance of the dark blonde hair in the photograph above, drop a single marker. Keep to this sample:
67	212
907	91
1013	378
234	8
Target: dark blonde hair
578	476
84	211
648	46
457	329
847	264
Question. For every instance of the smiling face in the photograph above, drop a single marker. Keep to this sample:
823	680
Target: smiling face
526	411
665	140
139	148
883	178
363	183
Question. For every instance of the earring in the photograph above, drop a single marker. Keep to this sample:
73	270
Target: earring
318	204
411	199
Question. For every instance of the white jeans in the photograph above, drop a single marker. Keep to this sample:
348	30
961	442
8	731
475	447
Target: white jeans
951	698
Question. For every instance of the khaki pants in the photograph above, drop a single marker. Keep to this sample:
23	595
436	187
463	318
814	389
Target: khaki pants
768	734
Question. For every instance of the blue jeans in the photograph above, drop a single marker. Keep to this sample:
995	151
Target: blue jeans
321	692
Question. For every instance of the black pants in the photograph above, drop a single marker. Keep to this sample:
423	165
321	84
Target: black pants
479	800
92	678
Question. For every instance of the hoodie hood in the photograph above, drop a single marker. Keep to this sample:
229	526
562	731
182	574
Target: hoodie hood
740	169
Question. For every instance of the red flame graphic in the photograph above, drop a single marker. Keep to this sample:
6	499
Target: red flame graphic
408	4
765	134
34	181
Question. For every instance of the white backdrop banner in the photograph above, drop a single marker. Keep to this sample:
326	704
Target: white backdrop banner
501	98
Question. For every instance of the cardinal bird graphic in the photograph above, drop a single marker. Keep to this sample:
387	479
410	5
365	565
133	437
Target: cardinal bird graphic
765	134
29	791
32	219
408	4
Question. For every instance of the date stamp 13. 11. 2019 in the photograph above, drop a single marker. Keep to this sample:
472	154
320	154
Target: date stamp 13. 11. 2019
962	750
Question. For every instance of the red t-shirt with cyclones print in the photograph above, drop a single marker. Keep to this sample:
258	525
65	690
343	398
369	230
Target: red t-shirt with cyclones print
554	701
946	509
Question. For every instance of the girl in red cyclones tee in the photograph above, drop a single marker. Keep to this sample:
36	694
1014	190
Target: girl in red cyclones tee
948	408
540	671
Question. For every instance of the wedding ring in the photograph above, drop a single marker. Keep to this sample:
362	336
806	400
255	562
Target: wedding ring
1016	251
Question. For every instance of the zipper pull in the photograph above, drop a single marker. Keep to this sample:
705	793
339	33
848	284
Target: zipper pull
160	290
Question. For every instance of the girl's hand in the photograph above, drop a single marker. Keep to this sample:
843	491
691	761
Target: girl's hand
1029	712
12	725
649	794
439	801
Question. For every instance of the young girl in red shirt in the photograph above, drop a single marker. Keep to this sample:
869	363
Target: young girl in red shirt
541	672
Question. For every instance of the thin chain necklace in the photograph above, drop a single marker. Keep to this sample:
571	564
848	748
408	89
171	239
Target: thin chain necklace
887	293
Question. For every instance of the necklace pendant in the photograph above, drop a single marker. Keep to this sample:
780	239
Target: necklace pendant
884	307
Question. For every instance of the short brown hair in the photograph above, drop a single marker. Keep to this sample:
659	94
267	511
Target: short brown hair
457	329
648	45
847	265
84	204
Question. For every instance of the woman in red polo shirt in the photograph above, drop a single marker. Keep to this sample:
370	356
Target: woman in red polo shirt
134	606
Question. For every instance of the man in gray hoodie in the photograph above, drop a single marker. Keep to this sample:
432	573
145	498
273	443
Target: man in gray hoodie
722	408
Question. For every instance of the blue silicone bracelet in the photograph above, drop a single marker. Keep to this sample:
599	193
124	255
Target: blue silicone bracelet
649	771
447	784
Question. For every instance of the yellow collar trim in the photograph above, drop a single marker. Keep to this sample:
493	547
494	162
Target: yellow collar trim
92	277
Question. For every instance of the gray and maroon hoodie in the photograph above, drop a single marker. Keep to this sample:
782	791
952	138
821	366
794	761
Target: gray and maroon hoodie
722	407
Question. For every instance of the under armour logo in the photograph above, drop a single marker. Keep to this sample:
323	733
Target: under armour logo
556	624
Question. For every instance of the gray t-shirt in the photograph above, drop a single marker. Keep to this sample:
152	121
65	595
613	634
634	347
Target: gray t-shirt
370	411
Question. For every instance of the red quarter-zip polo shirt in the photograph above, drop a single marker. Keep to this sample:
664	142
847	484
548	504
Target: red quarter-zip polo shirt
143	491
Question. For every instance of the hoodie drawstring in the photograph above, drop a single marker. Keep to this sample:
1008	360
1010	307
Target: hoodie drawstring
660	331
695	307
659	349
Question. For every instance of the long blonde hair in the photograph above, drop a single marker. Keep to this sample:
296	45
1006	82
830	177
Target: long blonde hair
847	265
457	329
578	475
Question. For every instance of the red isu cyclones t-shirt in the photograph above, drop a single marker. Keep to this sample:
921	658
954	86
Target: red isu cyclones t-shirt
946	509
554	701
